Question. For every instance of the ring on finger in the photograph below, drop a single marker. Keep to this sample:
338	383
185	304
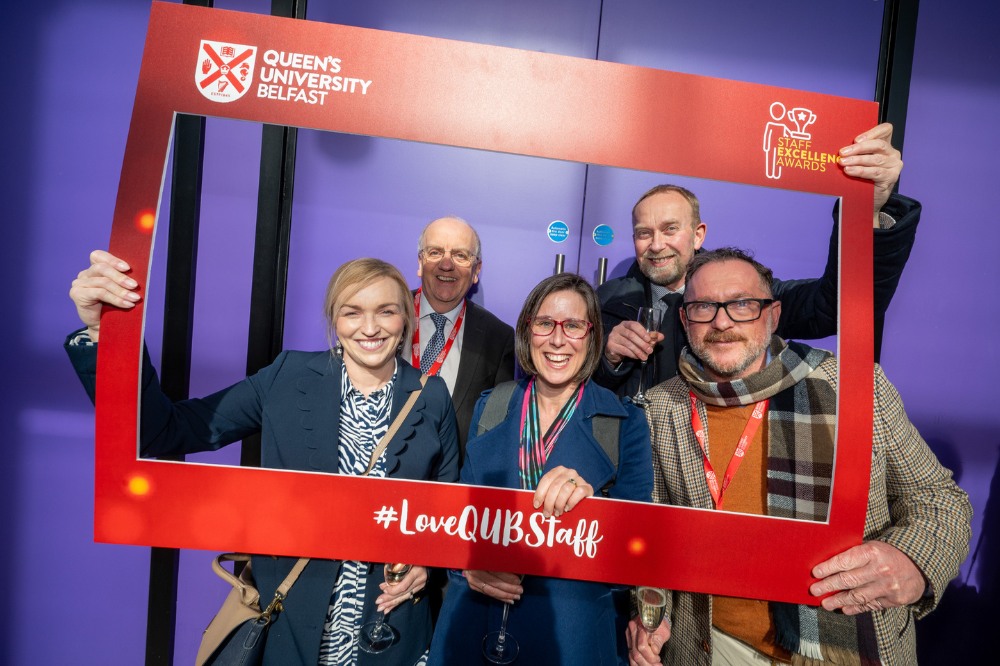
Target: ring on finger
482	587
571	480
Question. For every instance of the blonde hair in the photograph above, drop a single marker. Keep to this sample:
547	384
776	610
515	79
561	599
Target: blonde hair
353	276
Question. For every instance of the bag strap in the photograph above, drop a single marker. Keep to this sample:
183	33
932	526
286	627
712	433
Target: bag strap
606	433
279	595
495	409
292	576
249	596
396	422
605	428
248	592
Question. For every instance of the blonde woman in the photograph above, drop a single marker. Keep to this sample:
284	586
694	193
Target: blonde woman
315	411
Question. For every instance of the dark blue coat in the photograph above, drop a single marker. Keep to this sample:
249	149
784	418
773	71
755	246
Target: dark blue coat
556	621
293	404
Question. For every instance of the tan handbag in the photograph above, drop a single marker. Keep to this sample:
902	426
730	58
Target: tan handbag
236	634
241	618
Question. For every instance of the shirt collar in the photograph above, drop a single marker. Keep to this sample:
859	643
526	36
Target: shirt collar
658	291
426	309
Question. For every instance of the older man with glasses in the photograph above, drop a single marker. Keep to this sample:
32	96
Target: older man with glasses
460	341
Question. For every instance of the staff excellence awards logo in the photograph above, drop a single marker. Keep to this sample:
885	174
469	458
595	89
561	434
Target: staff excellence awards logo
224	71
788	142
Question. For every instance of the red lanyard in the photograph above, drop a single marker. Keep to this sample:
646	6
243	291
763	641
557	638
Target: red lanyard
439	361
749	431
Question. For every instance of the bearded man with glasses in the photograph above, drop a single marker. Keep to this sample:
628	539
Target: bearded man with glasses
749	426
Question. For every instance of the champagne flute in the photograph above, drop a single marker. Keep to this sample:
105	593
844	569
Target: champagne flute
650	319
499	647
652	603
377	636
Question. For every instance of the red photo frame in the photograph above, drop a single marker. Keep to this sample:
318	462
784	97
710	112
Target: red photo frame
212	63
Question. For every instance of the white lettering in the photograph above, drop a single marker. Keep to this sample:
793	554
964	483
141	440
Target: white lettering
537	530
467	523
302	61
403	513
500	527
512	527
291	94
487	532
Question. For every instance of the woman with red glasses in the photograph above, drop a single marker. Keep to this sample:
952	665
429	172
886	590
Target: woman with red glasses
548	442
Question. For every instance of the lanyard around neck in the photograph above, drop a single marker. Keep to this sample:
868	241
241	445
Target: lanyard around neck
753	423
439	361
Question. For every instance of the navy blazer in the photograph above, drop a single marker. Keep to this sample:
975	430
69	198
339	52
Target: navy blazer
556	621
293	404
487	360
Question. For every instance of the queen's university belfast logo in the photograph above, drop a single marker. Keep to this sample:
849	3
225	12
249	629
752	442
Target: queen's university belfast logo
224	71
788	142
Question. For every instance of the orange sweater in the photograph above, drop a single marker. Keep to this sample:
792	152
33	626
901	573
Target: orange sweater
749	620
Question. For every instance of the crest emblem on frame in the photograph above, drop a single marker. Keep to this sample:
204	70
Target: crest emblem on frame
224	71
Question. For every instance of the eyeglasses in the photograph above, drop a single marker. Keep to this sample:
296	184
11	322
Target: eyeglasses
461	258
740	310
572	328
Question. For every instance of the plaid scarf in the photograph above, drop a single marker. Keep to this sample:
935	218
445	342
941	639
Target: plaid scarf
800	451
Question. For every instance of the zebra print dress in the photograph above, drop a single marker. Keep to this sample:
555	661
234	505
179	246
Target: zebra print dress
363	423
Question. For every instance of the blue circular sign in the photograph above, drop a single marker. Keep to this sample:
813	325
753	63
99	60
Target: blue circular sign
603	235
558	231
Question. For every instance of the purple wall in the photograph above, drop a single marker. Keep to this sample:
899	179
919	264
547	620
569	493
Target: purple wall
941	344
71	72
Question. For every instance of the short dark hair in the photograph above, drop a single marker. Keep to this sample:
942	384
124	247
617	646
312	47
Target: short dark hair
550	285
702	259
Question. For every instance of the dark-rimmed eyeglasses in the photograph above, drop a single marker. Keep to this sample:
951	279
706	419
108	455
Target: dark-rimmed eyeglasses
740	310
572	328
461	258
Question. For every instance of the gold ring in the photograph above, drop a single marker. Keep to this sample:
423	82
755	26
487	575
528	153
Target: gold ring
483	587
572	480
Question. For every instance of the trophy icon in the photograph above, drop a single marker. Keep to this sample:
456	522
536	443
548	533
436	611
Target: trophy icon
802	118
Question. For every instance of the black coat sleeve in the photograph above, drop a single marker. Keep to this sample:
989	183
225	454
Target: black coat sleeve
809	307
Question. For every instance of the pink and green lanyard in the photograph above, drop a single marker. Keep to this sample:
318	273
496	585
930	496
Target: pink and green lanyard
535	449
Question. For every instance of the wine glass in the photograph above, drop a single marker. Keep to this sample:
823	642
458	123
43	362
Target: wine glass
652	603
499	647
650	319
377	636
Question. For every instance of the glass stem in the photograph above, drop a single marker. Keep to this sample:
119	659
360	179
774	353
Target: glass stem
502	638
377	629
